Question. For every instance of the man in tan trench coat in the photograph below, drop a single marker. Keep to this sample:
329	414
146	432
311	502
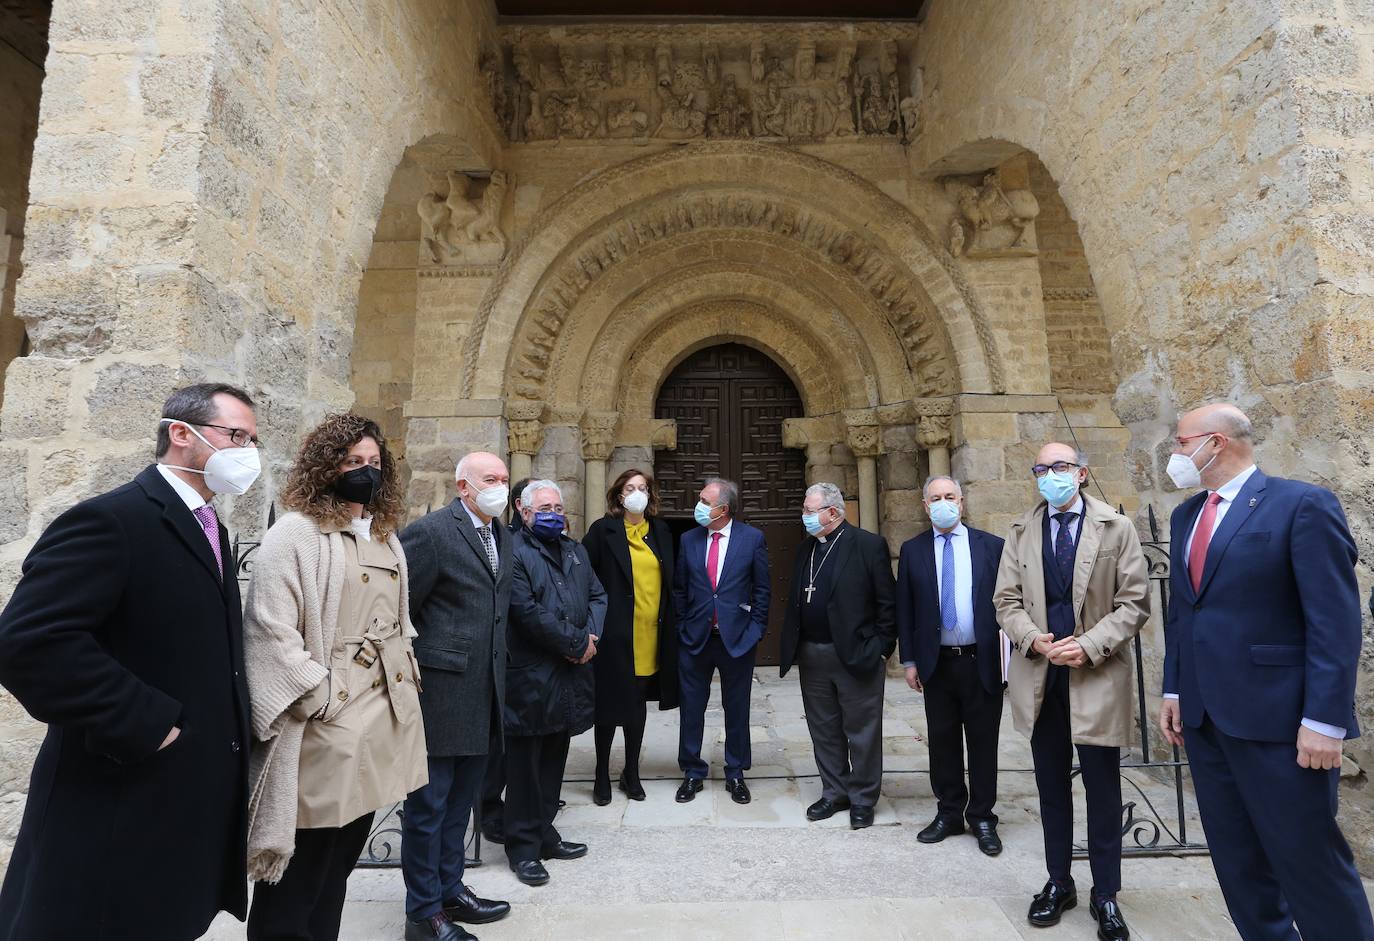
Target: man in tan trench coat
1072	591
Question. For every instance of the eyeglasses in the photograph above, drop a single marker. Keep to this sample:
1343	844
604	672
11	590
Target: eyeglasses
1059	467
238	436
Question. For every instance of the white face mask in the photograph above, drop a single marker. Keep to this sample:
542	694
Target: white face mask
636	501
229	471
1183	472
491	501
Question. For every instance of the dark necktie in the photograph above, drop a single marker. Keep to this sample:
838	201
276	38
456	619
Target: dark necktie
489	545
1063	546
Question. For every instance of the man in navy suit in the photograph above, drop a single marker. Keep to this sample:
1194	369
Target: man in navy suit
952	650
1262	642
720	595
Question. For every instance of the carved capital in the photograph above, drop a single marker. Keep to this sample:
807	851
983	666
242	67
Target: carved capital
525	437
598	435
524	411
933	432
863	433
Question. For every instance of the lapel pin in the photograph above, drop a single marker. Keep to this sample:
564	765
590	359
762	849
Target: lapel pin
1253	501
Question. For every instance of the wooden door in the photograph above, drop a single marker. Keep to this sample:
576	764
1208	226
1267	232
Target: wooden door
729	402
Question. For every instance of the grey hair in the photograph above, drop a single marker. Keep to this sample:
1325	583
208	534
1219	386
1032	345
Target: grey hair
461	471
728	495
925	489
830	495
533	487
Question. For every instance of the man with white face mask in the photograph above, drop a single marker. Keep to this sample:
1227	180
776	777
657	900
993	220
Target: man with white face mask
460	565
1262	646
125	636
1072	591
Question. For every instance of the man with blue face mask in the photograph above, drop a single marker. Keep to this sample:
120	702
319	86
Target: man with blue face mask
1072	591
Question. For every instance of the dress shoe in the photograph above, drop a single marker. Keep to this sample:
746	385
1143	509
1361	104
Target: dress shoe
824	809
530	871
1110	925
436	928
601	791
688	790
985	831
469	908
1052	902
940	828
631	786
564	849
739	791
860	817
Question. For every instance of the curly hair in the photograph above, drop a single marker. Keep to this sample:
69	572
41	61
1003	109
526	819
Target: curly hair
614	507
310	482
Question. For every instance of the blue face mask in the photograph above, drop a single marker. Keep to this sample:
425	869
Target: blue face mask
944	514
1058	489
812	522
702	514
548	526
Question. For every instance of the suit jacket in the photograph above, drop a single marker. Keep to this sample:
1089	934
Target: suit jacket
1273	635
459	610
863	622
1111	602
740	599
618	696
119	629
918	605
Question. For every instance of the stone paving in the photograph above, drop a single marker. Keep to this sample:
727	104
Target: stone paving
714	869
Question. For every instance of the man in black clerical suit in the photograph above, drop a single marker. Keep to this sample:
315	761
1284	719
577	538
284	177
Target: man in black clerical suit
840	628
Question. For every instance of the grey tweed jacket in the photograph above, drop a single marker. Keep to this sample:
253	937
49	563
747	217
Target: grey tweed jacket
459	610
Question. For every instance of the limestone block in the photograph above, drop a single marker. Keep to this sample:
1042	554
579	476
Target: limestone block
99	21
900	471
971	462
79	164
14	495
903	506
897	532
36	397
68	312
169	87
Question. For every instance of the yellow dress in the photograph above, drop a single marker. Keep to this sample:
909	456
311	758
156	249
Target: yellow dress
648	581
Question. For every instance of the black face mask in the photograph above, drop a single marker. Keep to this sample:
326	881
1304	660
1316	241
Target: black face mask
359	485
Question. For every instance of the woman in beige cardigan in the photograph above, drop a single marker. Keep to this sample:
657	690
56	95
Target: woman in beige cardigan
333	681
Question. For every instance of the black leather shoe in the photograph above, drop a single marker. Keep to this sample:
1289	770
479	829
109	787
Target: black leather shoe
739	791
1110	925
530	872
825	809
601	791
860	817
1052	902
985	832
940	828
688	790
469	908
631	786
564	849
436	928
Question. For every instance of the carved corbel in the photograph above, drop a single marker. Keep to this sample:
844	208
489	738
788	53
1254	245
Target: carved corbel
598	435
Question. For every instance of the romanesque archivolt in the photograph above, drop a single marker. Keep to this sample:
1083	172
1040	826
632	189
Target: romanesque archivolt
463	226
707	82
992	221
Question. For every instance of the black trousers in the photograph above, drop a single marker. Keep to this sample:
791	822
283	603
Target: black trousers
961	712
1052	750
493	784
844	714
308	902
534	780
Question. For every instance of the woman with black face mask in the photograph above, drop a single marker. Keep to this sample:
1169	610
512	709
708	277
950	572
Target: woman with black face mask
333	682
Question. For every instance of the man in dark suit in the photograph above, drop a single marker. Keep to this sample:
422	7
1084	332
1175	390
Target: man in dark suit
952	651
124	634
1262	644
720	597
460	580
840	629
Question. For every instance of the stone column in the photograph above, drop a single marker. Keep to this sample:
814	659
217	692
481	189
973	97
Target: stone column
933	435
524	436
864	442
598	440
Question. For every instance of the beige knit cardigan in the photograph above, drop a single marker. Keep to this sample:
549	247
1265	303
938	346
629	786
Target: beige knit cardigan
289	623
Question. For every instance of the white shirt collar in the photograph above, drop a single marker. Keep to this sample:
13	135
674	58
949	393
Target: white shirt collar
193	500
724	531
1077	507
960	530
1231	489
476	520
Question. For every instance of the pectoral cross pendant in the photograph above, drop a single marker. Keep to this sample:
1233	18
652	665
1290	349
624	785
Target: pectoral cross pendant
810	589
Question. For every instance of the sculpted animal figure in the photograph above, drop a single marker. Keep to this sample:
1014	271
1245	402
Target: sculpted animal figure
448	224
990	205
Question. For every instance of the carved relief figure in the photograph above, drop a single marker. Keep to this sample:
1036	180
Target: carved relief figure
463	228
728	117
680	119
801	116
624	119
570	117
1001	220
843	101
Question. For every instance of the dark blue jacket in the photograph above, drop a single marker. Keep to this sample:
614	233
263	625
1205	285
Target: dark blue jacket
1273	635
918	605
740	599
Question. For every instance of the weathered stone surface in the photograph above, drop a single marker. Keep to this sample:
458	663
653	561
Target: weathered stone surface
36	403
126	400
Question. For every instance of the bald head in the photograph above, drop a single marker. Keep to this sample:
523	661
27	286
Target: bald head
1219	440
479	471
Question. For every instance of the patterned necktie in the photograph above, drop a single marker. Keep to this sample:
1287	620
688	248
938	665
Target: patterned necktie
713	559
1202	538
489	545
949	613
1063	546
209	524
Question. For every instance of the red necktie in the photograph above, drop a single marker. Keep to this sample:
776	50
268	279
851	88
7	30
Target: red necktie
1202	537
713	559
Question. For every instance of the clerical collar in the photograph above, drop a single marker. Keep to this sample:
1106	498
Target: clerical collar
834	532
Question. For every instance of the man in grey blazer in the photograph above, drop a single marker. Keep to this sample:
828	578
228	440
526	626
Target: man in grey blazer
460	564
